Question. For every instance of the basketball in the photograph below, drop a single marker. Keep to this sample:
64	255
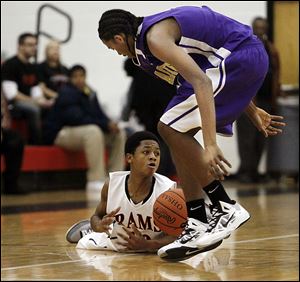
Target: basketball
170	212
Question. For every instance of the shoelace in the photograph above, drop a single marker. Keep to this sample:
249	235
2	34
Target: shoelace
215	215
186	234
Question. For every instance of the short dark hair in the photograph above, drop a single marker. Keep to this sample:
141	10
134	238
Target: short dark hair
135	139
76	68
259	19
117	21
22	37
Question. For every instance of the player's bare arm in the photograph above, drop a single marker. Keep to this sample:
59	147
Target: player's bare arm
100	221
167	51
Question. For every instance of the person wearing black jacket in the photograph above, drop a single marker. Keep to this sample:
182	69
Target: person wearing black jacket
52	73
77	122
22	89
147	98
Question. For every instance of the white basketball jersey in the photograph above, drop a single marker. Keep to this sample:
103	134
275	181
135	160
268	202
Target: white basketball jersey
139	214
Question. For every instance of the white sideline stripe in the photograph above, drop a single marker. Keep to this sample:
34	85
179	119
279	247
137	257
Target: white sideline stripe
41	264
71	261
49	279
263	239
53	263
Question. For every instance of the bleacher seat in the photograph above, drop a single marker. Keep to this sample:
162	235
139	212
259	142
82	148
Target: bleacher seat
50	158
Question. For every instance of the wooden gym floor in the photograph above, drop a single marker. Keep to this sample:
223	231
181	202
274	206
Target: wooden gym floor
33	245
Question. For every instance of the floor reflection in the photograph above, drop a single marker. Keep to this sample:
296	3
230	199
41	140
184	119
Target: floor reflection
113	265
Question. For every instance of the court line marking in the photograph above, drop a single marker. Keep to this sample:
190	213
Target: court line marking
71	261
41	264
58	262
263	239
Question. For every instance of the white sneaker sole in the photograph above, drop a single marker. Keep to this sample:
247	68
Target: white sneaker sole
184	252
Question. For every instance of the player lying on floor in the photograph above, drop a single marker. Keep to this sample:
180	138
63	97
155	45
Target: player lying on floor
123	218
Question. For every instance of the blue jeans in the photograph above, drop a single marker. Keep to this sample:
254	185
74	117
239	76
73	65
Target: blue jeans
32	114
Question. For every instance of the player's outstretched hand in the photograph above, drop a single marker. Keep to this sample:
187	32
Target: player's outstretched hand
266	123
107	220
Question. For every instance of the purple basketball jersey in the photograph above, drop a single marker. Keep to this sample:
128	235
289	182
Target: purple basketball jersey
217	44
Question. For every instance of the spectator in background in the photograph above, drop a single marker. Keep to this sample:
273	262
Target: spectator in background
21	87
146	99
53	74
12	147
77	122
251	143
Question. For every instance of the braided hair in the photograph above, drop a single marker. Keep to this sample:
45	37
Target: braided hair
118	21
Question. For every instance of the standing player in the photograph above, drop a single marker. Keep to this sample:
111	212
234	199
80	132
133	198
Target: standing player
127	200
218	66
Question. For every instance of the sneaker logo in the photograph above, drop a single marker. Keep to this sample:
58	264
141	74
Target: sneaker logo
85	232
189	252
225	206
192	209
91	239
225	209
213	189
226	223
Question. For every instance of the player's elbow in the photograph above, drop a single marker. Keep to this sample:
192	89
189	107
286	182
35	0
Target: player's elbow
201	81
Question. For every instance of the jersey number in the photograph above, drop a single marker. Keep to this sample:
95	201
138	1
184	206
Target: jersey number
166	72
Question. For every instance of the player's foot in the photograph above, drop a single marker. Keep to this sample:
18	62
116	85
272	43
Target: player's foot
78	230
186	245
225	218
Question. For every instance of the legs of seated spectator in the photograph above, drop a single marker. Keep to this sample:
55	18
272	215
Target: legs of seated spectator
32	113
116	144
90	139
93	141
94	148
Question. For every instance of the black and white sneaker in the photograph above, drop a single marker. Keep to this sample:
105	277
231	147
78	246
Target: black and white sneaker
186	245
225	218
78	230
